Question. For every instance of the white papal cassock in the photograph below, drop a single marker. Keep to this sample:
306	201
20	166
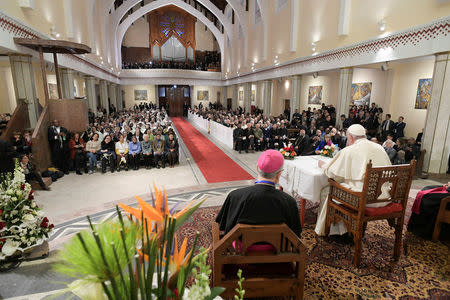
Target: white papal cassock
348	168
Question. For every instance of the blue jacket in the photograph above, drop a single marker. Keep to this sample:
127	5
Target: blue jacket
134	148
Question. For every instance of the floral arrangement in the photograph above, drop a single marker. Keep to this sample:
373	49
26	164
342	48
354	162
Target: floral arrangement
138	257
22	224
328	150
288	152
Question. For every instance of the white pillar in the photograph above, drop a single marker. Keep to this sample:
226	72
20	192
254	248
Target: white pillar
436	136
90	93
104	95
267	97
234	102
119	97
67	85
296	94
24	85
248	97
344	92
224	96
112	94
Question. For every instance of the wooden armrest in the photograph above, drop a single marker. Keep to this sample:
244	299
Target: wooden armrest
444	203
352	195
342	188
215	233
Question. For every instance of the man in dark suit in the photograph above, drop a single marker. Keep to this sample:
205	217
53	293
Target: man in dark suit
387	126
6	157
399	128
58	140
302	144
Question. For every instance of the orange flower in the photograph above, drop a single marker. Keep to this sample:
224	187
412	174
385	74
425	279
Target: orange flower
325	152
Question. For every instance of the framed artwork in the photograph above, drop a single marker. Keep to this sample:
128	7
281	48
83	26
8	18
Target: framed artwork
361	93
140	95
253	95
423	93
203	95
241	96
315	94
52	91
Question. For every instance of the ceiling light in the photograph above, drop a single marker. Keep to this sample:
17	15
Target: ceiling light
382	25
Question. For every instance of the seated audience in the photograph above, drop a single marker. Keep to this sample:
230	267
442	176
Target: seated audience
390	151
122	153
147	154
134	152
261	203
158	151
18	143
325	142
92	147
30	172
171	149
108	154
77	153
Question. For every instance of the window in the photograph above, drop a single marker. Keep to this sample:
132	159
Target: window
162	92
155	51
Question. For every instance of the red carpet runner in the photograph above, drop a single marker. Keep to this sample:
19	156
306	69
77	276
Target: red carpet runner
215	165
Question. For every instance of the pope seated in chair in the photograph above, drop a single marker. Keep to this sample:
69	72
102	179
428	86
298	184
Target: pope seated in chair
261	203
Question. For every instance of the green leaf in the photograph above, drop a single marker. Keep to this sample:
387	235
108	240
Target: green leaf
180	220
215	291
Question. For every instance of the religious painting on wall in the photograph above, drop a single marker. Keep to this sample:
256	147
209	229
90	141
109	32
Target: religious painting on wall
315	94
140	95
203	95
52	91
361	93
241	96
423	93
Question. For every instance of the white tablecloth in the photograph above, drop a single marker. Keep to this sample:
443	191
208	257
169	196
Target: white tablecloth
216	130
303	178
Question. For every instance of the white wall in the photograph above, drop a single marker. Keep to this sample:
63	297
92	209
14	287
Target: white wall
7	94
137	35
405	81
212	94
330	83
129	94
204	40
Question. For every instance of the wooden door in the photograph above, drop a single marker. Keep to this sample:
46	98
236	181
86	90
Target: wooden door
175	101
229	103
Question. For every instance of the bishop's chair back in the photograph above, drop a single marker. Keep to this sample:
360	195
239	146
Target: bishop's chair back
381	185
274	267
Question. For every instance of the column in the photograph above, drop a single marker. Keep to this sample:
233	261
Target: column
248	97
344	92
119	97
267	97
24	85
112	94
436	136
234	102
104	95
296	93
90	93
68	88
224	96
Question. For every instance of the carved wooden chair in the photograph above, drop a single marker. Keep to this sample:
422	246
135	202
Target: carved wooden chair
278	269
351	206
442	217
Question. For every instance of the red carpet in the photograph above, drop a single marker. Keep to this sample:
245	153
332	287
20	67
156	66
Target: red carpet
215	165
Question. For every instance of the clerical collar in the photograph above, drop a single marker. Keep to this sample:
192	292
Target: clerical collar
265	182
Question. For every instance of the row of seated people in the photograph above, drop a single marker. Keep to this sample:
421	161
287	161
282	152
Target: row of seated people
123	154
197	65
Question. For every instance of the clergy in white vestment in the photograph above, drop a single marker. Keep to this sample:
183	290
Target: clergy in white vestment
348	168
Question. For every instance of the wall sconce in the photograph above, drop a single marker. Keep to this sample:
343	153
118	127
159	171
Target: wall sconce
315	74
276	62
313	47
382	25
54	33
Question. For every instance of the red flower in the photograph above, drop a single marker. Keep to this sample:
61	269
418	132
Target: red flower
44	223
45	219
51	226
1	211
2	225
22	186
30	197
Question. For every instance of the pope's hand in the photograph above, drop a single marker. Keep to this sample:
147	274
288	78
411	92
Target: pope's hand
321	163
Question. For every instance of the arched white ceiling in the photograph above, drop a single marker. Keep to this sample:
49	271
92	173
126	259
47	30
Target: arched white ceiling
158	4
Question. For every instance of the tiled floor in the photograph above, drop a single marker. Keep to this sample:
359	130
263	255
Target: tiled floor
74	197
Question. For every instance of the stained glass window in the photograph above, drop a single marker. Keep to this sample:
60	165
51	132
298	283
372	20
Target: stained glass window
172	22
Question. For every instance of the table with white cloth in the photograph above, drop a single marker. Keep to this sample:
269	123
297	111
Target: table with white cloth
218	131
302	177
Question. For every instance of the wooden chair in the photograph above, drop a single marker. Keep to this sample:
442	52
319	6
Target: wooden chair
419	164
442	217
279	271
352	209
